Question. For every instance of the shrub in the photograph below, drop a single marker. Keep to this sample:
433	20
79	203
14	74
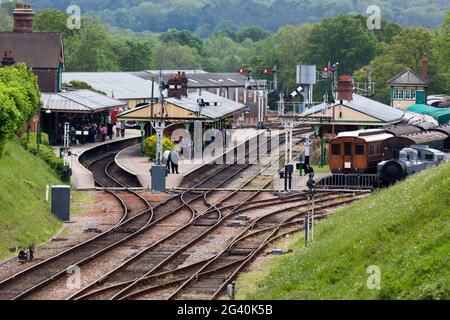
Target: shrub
19	100
46	153
150	146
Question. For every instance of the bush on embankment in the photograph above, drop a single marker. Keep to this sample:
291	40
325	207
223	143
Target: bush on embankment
404	230
45	152
25	217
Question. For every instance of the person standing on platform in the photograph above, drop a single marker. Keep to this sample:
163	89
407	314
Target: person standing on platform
117	129
110	130
174	159
104	132
122	129
166	158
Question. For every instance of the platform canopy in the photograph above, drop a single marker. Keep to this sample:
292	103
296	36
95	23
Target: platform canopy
78	101
215	108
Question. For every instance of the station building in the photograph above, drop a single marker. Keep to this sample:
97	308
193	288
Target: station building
76	107
43	52
181	108
407	89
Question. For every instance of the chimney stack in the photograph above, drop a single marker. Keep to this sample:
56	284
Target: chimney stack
425	67
8	59
23	18
345	88
178	86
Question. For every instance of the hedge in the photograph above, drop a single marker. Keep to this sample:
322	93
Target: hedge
45	152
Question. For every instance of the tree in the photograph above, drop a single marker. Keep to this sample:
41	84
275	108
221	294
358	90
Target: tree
175	56
342	39
183	37
6	21
19	100
90	49
254	33
133	55
443	52
407	50
51	20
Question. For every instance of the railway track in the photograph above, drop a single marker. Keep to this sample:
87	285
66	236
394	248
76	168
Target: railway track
161	253
136	219
201	280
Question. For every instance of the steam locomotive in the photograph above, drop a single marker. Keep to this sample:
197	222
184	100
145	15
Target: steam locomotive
410	161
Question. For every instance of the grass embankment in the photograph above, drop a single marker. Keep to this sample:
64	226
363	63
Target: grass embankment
25	217
404	230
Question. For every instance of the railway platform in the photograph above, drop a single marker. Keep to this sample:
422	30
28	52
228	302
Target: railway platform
82	178
133	162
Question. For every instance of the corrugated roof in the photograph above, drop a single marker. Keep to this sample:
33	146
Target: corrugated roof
36	49
200	79
79	101
408	77
223	108
364	105
124	85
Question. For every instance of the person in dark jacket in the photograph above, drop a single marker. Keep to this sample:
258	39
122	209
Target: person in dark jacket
110	130
174	159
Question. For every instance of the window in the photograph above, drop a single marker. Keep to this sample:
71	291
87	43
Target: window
396	94
359	149
408	94
336	149
348	148
404	94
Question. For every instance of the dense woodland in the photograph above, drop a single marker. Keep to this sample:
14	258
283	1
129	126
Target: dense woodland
343	38
204	17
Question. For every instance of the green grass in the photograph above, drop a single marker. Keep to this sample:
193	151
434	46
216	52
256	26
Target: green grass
404	230
25	217
324	169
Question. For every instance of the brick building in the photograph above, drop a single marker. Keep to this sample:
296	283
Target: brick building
41	51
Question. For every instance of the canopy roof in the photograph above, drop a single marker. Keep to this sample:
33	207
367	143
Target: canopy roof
78	101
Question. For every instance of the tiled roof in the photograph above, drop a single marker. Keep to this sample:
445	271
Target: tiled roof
36	49
408	77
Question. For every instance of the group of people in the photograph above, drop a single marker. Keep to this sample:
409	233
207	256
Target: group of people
93	132
27	256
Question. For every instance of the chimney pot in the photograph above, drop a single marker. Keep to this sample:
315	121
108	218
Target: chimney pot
23	18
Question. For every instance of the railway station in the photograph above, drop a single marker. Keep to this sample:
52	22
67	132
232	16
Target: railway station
187	185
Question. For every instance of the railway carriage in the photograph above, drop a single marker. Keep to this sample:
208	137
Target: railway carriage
358	151
361	151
